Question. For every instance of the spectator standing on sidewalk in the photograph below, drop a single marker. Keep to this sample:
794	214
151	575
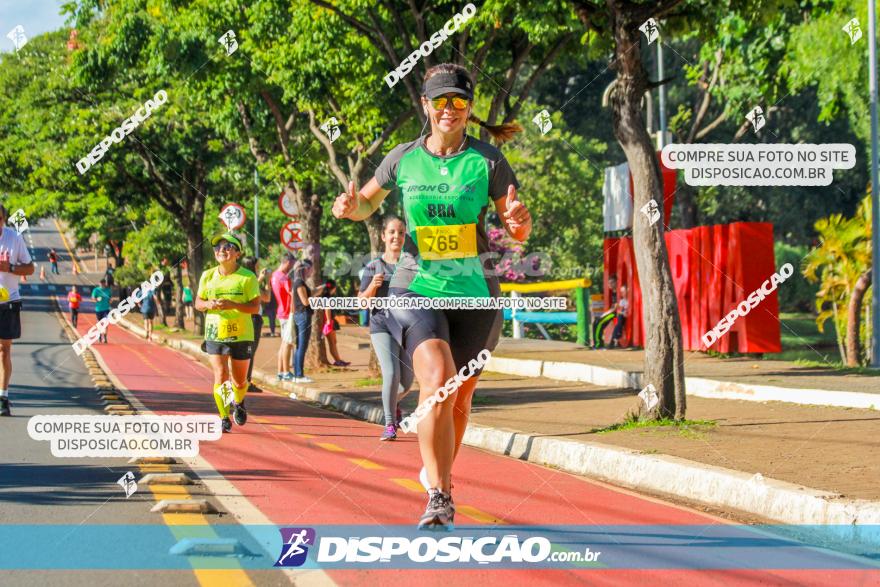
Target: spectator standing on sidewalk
15	262
282	290
302	315
330	325
188	303
53	259
269	311
74	299
621	310
251	263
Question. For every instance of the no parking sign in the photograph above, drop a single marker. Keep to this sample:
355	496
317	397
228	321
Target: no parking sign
291	235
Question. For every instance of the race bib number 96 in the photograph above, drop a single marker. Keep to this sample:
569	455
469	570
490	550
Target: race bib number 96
230	329
457	241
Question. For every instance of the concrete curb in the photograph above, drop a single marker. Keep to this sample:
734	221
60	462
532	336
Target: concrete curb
696	386
775	500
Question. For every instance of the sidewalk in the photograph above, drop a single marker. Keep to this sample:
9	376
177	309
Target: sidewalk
827	448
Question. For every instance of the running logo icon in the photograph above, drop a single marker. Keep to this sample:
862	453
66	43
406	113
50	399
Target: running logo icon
649	397
17	37
128	484
331	128
18	221
226	393
294	547
542	120
229	42
756	117
854	30
651	211
650	29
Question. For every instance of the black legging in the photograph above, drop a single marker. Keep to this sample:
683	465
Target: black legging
258	327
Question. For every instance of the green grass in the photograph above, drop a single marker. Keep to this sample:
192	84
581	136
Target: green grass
839	367
689	428
368	382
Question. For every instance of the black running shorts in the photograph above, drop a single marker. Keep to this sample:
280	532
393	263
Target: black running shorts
10	320
466	331
240	351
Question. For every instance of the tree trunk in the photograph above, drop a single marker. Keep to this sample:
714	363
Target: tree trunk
310	205
838	333
178	298
194	265
687	206
664	357
854	322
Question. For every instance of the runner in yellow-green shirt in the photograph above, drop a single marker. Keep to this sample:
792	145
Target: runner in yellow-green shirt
228	295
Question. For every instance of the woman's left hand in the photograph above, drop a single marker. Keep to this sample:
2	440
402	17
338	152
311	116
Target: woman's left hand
517	215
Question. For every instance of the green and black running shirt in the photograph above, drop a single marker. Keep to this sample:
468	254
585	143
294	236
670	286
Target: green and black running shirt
445	200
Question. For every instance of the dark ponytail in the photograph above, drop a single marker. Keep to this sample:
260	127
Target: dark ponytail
500	133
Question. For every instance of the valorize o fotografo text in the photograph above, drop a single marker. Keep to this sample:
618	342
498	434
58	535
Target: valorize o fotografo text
119	312
450	303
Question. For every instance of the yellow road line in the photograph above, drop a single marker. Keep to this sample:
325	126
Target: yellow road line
330	446
67	246
478	515
197	526
278	426
367	464
410	484
304	435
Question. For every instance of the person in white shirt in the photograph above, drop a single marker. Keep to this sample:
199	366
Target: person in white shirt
15	261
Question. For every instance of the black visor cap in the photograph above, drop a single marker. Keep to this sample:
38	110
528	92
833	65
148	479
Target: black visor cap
448	83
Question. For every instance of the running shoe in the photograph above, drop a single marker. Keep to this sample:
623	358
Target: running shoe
227	424
239	413
439	515
254	389
285	376
389	433
303	380
341	363
4	407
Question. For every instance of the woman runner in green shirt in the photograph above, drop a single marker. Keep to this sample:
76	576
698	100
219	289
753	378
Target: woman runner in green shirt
447	182
229	295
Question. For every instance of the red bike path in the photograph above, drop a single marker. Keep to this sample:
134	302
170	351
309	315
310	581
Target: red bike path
305	466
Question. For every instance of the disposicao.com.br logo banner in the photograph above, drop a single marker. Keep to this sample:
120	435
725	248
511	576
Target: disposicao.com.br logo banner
582	548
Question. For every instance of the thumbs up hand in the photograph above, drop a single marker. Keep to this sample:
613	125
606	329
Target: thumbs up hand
347	203
516	215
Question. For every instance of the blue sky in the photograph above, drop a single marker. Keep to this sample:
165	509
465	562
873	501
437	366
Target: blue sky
36	16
